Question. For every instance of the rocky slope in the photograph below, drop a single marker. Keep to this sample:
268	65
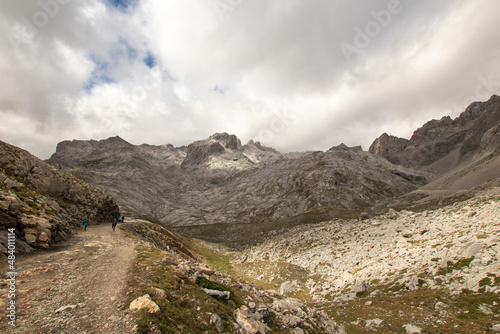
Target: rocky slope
447	261
42	203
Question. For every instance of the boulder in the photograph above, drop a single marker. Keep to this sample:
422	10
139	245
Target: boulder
248	323
374	323
285	288
218	294
411	329
217	322
144	302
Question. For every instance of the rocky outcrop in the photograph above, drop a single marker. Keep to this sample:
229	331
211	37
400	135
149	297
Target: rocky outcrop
437	139
43	203
389	147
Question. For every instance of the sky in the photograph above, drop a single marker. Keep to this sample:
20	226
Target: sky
295	75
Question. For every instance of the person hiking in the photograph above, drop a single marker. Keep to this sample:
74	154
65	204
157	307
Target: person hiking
85	223
123	219
113	224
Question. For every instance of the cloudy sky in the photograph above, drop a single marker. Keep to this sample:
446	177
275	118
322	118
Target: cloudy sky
294	74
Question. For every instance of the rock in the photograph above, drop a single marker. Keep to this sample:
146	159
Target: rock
290	321
206	270
218	294
248	323
411	329
217	322
361	286
496	328
412	283
144	302
64	308
30	239
159	293
374	323
376	293
407	233
364	216
440	306
369	303
485	309
286	287
296	331
473	250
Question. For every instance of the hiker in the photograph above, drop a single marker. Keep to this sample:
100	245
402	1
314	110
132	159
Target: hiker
123	219
85	223
113	224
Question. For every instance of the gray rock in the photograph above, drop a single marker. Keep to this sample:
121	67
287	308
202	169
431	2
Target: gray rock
374	323
496	328
286	287
217	322
361	286
218	294
411	329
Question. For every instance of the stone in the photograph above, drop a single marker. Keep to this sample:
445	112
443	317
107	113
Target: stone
485	309
440	306
217	322
412	283
248	323
496	328
411	329
64	308
286	287
290	321
159	293
218	294
374	323
144	302
376	293
30	239
369	303
473	249
407	233
296	331
361	286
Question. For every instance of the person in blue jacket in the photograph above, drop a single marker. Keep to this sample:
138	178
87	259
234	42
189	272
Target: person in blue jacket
85	223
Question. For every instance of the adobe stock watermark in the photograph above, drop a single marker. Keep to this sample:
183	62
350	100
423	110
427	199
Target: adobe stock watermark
223	7
371	30
485	88
28	27
279	120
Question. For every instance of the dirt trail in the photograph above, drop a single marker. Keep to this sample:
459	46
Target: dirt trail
77	287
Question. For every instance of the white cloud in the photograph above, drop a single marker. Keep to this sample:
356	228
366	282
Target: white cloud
170	71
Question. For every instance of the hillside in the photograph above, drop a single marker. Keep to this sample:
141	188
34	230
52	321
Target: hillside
43	203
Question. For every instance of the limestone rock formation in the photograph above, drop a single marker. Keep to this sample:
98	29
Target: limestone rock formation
42	202
438	139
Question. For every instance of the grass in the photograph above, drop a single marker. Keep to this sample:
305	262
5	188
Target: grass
418	308
185	307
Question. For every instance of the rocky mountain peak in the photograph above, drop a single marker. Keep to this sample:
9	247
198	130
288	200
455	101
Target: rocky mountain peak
437	139
227	140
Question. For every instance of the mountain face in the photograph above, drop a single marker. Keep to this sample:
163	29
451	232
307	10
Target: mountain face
42	203
437	139
219	184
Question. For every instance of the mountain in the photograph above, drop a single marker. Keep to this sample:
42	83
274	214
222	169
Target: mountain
44	204
463	153
218	184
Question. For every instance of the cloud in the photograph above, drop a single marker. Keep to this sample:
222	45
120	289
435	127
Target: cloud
296	75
